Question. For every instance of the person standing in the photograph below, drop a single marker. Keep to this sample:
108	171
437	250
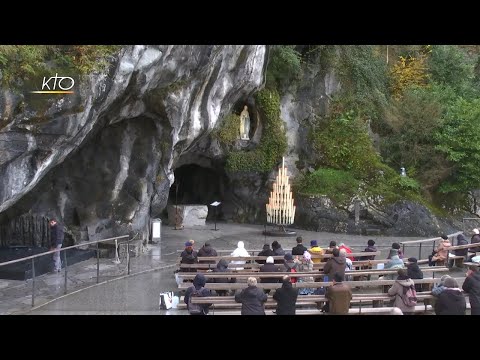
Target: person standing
286	297
56	241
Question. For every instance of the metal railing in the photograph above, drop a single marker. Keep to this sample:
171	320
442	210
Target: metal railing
51	252
420	242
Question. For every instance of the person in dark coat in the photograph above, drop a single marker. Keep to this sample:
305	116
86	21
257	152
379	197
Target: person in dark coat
339	296
222	266
414	272
474	240
396	246
199	284
299	249
370	248
207	250
336	264
277	251
329	250
188	256
252	299
289	263
471	285
461	240
269	267
265	252
56	239
286	297
451	301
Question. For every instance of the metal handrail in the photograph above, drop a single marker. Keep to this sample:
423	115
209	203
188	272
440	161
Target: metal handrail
420	242
33	257
62	249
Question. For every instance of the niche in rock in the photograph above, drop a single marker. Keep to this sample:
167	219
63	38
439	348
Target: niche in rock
199	185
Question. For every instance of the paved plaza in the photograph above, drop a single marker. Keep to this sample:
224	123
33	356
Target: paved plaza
153	272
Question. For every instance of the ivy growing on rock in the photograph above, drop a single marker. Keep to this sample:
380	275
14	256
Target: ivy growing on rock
273	143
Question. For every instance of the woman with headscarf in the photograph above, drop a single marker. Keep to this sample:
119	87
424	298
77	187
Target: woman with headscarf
305	265
239	252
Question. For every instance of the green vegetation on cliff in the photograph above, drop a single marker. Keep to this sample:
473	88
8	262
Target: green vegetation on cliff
24	62
273	143
422	103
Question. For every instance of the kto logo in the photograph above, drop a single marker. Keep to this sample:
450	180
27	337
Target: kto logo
56	85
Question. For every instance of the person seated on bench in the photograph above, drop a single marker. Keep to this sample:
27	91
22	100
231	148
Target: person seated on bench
239	252
347	249
286	297
398	290
471	285
394	263
329	250
451	301
305	265
199	286
265	252
348	264
414	272
441	252
461	240
207	250
277	251
474	240
438	288
188	256
252	298
222	266
335	264
269	267
370	248
338	295
289	264
396	246
315	250
299	249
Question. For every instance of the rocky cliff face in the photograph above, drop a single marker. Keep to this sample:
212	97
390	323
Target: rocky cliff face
102	160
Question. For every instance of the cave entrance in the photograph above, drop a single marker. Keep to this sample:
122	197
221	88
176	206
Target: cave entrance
199	185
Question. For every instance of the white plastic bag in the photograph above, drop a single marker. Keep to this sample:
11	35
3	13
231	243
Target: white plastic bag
166	300
175	301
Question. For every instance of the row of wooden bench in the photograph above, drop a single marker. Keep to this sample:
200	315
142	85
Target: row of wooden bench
315	274
354	284
358	302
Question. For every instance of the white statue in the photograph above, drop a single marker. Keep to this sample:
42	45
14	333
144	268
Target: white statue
244	124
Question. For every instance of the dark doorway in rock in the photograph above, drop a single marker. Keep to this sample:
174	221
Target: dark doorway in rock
199	185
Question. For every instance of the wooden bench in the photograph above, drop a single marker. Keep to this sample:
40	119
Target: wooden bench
459	260
353	284
279	275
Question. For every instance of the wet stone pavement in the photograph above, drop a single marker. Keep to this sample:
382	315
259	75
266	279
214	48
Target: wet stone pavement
153	272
